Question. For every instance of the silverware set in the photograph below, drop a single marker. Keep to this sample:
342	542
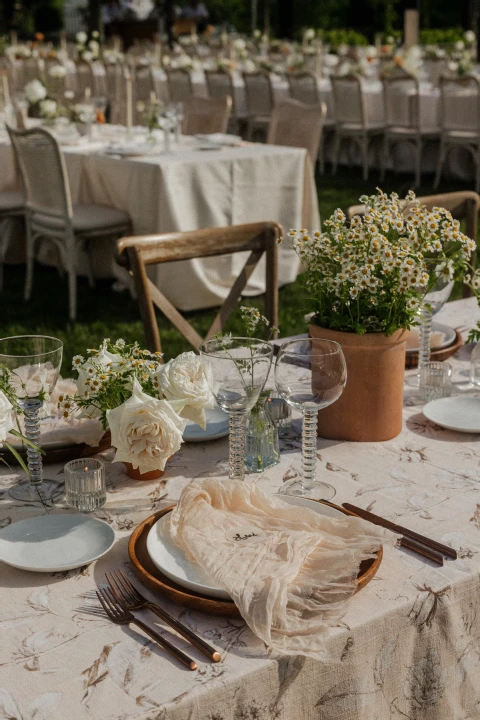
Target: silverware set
121	598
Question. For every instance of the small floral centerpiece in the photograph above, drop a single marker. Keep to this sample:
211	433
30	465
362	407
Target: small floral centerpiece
88	49
144	403
367	280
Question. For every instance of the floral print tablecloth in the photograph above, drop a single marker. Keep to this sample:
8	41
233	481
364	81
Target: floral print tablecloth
407	648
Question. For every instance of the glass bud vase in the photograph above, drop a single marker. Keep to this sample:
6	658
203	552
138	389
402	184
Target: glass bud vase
262	448
475	366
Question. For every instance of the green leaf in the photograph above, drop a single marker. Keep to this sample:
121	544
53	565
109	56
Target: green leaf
17	456
28	442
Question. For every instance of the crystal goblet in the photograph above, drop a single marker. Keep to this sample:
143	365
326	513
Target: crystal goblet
310	374
237	369
34	362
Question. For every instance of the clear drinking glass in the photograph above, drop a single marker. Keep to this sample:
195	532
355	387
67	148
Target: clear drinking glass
34	361
435	380
435	299
310	374
237	369
85	488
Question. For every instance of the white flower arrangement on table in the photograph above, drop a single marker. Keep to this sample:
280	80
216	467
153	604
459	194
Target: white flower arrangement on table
57	71
371	275
39	102
145	404
88	49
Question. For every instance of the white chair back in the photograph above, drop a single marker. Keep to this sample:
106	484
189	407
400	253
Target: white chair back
304	87
348	101
206	115
259	94
295	124
179	82
85	78
220	84
43	172
460	103
143	87
401	98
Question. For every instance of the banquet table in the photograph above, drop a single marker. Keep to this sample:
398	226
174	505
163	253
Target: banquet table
407	647
188	189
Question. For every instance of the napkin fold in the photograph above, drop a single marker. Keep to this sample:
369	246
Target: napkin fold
289	570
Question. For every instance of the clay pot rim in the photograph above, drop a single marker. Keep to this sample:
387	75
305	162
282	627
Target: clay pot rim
348	337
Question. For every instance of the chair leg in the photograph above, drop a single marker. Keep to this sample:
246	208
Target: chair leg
441	160
30	247
72	293
321	155
418	163
365	156
88	253
250	129
336	152
384	158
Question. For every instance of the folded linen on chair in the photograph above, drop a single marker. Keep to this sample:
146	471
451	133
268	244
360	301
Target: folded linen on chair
288	569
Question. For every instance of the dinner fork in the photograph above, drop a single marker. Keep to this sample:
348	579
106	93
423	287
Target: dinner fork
125	591
118	613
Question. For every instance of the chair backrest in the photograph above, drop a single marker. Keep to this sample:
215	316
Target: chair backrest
434	68
348	100
259	94
295	124
304	87
31	70
143	87
460	103
206	115
85	78
220	84
136	253
179	82
401	93
463	205
43	172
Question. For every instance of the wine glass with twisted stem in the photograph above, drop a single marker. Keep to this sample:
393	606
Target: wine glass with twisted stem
310	374
33	362
236	369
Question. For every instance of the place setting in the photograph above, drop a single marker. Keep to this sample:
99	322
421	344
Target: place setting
239	361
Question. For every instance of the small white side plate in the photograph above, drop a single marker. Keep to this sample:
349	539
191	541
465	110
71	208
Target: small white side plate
455	413
443	336
217	427
171	561
53	543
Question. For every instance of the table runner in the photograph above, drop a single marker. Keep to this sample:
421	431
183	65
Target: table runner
408	646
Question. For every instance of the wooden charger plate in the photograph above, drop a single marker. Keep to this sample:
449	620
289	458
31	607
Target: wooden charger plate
411	359
155	580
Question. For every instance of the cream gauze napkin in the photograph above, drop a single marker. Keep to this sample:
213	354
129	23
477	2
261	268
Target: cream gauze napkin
289	570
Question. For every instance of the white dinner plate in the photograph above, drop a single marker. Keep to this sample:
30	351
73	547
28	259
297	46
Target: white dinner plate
53	543
455	413
171	561
442	337
217	427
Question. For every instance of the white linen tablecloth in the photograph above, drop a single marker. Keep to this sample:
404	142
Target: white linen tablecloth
190	189
408	646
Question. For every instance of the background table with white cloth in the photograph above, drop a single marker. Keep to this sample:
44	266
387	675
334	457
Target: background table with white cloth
408	646
190	189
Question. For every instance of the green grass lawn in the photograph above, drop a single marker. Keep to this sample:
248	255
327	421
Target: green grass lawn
104	313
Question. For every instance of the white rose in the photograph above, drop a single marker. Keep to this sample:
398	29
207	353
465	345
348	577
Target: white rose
48	108
239	44
7	416
309	34
87	55
145	431
184	379
249	66
35	91
81	37
57	71
459	45
469	37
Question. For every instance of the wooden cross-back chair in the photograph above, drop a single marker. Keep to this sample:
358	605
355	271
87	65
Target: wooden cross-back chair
136	253
463	205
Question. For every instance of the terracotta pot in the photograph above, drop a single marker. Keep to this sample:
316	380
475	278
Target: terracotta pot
371	406
135	473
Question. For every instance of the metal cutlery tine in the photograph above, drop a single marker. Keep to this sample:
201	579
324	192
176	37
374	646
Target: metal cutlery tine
118	614
132	599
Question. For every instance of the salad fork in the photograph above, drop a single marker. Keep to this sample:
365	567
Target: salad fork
126	592
118	613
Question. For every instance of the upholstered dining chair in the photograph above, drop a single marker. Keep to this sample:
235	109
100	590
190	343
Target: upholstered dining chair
459	121
138	253
49	212
295	124
206	115
401	96
179	83
463	205
351	118
260	101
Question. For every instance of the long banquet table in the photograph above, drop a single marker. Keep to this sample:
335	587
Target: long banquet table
408	646
190	189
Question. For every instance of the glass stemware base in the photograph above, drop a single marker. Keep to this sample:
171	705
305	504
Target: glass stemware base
26	492
319	491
